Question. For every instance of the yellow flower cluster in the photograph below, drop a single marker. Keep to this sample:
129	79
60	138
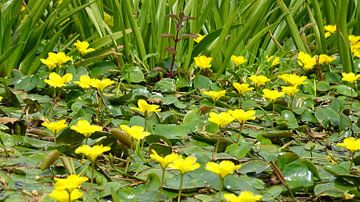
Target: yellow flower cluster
350	143
355	45
86	82
66	190
224	118
294	81
308	62
55	60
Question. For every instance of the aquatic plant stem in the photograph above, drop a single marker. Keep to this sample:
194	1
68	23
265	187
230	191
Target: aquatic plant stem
180	188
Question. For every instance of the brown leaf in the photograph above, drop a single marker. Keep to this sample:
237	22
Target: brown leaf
6	120
316	135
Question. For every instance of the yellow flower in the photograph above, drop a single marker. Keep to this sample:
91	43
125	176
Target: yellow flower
350	143
199	38
1	98
215	95
223	168
274	60
83	47
325	59
238	60
56	126
164	161
350	77
63	195
306	61
84	81
61	58
272	95
70	183
50	61
329	30
242	116
203	62
57	81
145	108
354	39
83	127
101	84
245	196
259	80
184	165
293	79
289	90
242	88
92	152
137	132
222	119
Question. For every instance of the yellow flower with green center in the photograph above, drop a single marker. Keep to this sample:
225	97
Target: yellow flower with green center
215	95
55	126
273	60
350	143
324	59
83	47
164	161
92	152
329	30
222	119
136	132
84	81
101	84
83	127
350	77
289	90
63	195
203	62
242	116
146	108
293	79
238	60
199	38
245	196
184	165
70	183
58	81
272	95
223	168
242	88
259	80
306	61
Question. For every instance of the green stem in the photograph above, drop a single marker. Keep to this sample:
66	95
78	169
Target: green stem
161	183
180	188
241	127
128	162
222	180
92	172
216	147
273	115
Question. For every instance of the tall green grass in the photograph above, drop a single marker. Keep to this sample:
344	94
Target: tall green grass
242	27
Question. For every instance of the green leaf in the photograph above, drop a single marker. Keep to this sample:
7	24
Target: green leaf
132	74
238	151
171	131
298	175
166	85
326	115
202	82
346	90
